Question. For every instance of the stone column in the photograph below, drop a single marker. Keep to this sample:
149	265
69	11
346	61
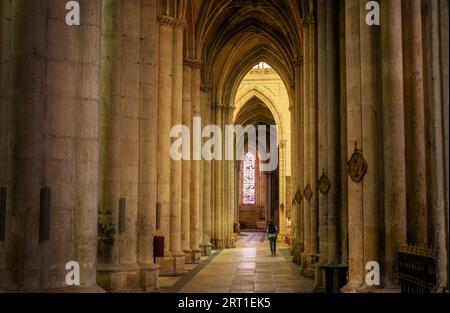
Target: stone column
23	103
53	142
218	230
313	152
343	177
87	143
298	156
438	101
118	268
332	130
415	122
165	66
370	104
323	82
175	167
186	171
305	257
393	135
282	186
195	170
230	193
147	142
206	245
354	140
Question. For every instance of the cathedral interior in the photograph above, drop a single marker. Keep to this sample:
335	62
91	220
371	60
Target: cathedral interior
359	101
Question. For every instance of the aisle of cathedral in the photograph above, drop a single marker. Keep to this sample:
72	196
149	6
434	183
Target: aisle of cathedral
92	116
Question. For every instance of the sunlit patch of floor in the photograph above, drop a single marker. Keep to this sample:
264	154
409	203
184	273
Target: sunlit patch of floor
248	268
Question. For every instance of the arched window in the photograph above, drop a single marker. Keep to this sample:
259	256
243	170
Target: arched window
249	179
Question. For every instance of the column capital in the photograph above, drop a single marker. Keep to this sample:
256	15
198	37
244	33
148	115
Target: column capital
205	88
172	22
193	63
297	61
218	106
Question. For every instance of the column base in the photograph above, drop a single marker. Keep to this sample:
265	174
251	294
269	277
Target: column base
206	249
196	255
218	244
230	243
166	265
149	277
307	266
188	256
319	278
72	289
297	250
179	259
120	281
350	288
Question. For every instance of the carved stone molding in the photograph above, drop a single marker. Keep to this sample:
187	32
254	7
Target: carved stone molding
357	166
324	184
308	192
165	20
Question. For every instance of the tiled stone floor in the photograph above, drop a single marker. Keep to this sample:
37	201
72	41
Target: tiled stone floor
246	269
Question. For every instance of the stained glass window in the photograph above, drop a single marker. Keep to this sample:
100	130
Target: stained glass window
249	179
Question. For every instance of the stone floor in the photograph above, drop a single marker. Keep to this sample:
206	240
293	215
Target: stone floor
246	269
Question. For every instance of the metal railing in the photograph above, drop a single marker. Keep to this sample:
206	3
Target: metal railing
417	269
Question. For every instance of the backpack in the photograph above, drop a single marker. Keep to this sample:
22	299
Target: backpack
272	229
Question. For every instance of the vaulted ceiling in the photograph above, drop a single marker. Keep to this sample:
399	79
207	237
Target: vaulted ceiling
231	36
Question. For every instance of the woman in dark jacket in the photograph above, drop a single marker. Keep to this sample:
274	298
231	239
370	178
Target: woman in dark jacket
272	235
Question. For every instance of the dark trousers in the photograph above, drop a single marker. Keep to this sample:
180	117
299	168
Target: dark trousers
273	244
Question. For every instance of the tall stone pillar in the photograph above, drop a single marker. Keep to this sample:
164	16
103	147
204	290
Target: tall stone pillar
394	135
218	215
206	245
323	82
354	141
282	186
332	126
298	166
415	122
305	257
175	167
118	269
148	127
51	108
229	191
22	103
165	66
343	154
313	152
438	102
370	110
186	165
195	170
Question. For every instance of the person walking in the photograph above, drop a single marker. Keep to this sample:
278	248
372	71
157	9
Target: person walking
272	234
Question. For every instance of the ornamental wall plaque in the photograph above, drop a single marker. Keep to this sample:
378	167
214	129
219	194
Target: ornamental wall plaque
357	166
324	184
308	193
298	197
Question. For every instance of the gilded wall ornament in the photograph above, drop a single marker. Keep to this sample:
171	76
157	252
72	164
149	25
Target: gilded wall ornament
297	198
324	183
357	166
308	193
